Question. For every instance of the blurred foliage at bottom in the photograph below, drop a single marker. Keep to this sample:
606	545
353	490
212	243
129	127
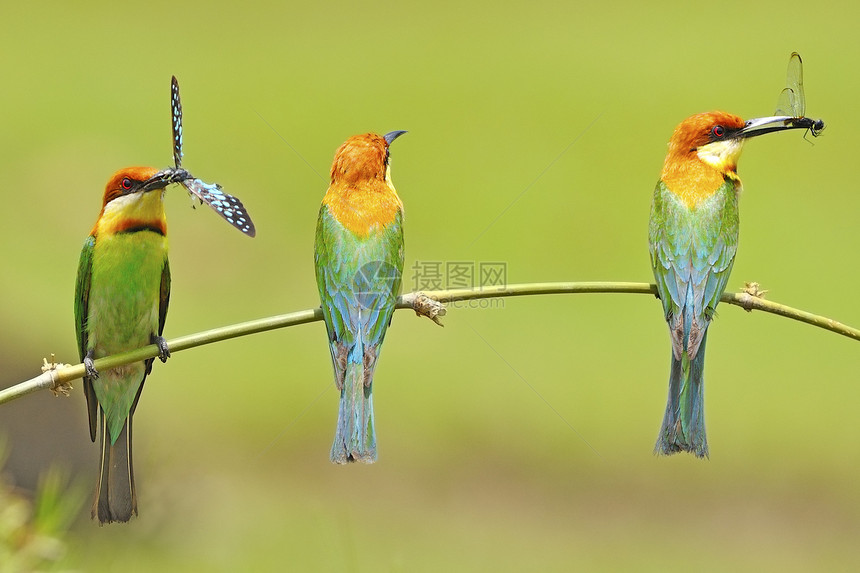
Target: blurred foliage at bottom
33	530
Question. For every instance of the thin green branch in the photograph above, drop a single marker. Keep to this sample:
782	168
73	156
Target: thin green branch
57	376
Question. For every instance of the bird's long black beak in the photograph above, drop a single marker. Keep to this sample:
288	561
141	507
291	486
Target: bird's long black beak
392	135
166	177
762	125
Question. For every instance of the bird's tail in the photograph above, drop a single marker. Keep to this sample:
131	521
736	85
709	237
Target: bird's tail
684	422
355	438
115	497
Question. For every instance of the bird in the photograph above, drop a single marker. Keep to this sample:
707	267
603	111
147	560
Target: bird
693	240
358	258
121	297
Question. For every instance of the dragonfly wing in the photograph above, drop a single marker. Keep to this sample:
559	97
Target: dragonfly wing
794	81
787	103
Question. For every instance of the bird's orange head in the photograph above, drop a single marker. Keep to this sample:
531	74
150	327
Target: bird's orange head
703	153
361	195
126	181
128	203
363	157
712	138
705	148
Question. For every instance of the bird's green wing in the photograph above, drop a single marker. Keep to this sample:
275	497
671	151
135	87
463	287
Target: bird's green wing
82	298
358	280
164	296
163	301
692	252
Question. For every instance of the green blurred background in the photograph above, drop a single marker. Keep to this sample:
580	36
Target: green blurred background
552	115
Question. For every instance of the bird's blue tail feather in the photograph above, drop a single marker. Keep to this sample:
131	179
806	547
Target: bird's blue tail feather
355	438
683	427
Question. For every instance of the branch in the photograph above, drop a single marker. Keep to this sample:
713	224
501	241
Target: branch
430	304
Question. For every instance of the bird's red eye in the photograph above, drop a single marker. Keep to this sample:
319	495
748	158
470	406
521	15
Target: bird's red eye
126	183
718	131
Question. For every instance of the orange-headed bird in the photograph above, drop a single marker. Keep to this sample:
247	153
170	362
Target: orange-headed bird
693	239
121	297
358	256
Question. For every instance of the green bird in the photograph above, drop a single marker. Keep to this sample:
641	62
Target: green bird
121	298
358	256
693	239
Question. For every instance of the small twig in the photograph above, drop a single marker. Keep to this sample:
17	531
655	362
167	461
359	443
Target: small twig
57	387
429	304
423	305
49	380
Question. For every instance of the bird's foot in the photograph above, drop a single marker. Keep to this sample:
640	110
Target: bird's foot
163	351
89	367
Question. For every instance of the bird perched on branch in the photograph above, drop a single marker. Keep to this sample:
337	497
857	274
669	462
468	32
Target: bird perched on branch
121	297
693	239
358	256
